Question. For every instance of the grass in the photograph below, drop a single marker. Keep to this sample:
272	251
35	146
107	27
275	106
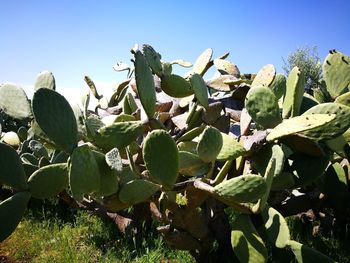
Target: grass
52	233
43	237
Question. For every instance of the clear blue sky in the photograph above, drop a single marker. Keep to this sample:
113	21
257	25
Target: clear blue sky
71	38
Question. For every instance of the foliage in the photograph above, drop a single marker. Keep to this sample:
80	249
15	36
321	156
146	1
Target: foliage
307	59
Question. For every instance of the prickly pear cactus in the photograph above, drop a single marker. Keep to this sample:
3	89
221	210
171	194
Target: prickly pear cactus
185	151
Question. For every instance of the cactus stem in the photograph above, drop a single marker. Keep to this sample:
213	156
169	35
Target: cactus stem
210	173
190	115
224	170
132	165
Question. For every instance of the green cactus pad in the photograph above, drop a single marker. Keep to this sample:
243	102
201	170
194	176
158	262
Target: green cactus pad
265	76
108	177
84	174
22	133
161	157
12	172
11	213
278	86
305	254
45	79
200	89
48	181
246	242
14	101
336	73
335	127
145	84
336	186
210	144
226	67
308	169
262	106
261	159
176	86
203	62
276	227
118	135
56	118
29	158
344	99
294	93
300	124
137	191
191	165
231	148
153	59
307	103
241	189
191	134
268	176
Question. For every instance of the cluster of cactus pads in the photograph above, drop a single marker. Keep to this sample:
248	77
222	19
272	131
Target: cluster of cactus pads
186	147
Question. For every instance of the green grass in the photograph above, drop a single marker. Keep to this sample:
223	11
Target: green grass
42	237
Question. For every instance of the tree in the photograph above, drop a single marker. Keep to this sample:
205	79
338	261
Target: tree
307	59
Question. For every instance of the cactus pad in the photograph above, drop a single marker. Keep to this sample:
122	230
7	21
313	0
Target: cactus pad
336	72
14	101
11	173
241	189
137	191
344	99
278	86
11	212
56	118
45	79
226	67
335	127
108	177
203	61
84	175
304	254
119	134
300	124
276	227
262	106
145	84
153	59
265	76
294	93
191	165
246	242
231	149
200	89
210	144
161	157
176	86
48	181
